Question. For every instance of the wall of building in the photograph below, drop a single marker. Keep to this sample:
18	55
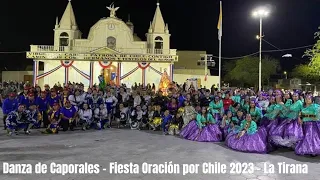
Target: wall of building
19	76
182	78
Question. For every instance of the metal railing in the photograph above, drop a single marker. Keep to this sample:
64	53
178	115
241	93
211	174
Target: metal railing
79	49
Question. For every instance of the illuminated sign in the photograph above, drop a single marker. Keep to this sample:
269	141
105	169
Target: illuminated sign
103	57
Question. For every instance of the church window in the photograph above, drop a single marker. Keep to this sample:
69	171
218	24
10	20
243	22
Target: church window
158	46
64	39
111	42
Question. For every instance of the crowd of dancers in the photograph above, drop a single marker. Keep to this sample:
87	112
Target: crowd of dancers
246	121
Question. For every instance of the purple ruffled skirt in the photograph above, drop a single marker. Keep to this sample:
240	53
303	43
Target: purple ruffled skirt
209	133
310	144
269	124
252	143
217	117
286	134
189	129
225	131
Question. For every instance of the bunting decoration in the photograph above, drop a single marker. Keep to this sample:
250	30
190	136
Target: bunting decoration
153	69
81	72
129	73
66	64
143	65
105	64
49	72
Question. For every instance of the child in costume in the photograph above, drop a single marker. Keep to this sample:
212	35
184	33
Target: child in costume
54	117
248	138
166	119
157	118
176	123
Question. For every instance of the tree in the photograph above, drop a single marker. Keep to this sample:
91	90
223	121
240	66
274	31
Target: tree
246	70
310	71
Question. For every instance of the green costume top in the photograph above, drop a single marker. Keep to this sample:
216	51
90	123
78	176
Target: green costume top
269	112
244	105
216	107
233	110
236	98
310	113
255	113
202	121
294	110
288	103
252	129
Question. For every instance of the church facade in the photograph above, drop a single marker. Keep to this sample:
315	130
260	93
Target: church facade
111	51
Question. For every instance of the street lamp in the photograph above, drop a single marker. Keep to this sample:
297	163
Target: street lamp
260	13
286	75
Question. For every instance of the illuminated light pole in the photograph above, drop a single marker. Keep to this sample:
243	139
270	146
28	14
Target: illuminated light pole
260	13
286	75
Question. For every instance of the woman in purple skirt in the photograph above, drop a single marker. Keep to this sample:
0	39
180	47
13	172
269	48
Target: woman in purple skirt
226	124
248	138
275	114
310	121
203	129
288	132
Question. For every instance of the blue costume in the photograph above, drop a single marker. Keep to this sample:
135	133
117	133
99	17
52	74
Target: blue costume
94	101
23	99
9	105
165	122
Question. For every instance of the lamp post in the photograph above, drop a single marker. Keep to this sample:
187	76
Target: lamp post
286	75
260	13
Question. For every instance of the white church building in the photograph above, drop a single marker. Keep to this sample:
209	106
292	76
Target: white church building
111	49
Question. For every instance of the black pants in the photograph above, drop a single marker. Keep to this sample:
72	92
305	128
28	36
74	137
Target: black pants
45	119
4	121
65	124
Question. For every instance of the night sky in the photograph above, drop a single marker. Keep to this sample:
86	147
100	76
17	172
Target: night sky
193	25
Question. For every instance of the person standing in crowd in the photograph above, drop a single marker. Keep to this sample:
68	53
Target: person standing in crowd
309	119
9	104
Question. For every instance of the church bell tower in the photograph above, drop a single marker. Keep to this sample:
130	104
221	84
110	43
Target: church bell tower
158	37
67	30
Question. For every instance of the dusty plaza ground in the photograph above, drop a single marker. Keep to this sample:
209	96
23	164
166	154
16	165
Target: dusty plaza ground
124	146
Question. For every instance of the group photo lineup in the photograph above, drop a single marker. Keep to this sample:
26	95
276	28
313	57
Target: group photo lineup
109	97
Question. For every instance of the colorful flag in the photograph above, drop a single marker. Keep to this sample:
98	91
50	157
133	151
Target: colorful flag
220	23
